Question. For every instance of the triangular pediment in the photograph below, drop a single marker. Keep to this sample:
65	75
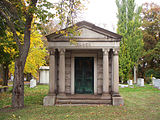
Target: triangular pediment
87	31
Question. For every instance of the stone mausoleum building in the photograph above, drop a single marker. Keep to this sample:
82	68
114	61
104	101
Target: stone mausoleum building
86	72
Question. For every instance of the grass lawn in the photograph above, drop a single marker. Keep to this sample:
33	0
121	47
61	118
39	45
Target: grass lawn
141	103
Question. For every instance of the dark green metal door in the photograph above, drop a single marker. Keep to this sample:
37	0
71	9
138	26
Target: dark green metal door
84	75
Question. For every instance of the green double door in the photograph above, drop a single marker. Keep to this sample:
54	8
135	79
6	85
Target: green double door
84	75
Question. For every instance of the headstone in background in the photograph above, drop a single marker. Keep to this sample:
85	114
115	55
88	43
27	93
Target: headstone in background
156	83
33	83
140	82
12	77
123	86
153	78
44	75
130	82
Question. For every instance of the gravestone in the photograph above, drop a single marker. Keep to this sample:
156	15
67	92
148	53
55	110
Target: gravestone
140	82
44	75
33	83
12	77
123	86
156	83
153	78
130	82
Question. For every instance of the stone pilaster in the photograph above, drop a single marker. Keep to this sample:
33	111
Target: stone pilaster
61	71
105	72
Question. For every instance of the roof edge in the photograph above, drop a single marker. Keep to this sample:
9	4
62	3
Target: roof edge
91	25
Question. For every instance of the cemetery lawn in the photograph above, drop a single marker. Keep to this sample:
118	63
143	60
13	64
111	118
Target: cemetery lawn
141	103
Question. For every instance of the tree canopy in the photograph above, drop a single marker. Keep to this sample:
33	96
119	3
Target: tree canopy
150	61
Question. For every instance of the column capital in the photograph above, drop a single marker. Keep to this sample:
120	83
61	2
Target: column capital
61	51
115	51
105	51
51	51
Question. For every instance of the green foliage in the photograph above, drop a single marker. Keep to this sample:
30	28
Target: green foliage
7	48
131	46
153	73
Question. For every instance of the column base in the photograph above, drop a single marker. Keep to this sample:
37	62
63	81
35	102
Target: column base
117	100
51	94
49	100
105	94
61	94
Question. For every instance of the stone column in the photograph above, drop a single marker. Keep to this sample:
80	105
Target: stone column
51	98
116	98
105	71
115	72
61	71
52	80
72	75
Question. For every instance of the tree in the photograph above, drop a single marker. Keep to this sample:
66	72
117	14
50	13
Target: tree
131	46
151	36
19	15
36	55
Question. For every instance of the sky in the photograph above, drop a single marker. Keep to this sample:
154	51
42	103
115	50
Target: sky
103	12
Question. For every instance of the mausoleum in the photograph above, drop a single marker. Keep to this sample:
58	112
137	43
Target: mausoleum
86	72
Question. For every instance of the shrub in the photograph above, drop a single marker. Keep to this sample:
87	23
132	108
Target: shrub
148	80
153	73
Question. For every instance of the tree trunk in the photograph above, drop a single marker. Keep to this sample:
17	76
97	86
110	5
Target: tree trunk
18	85
5	74
18	82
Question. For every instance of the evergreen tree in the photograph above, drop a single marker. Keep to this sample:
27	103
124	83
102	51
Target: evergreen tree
129	23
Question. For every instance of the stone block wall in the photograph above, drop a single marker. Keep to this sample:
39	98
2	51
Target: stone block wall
100	72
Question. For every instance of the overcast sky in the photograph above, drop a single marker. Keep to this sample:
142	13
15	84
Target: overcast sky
103	12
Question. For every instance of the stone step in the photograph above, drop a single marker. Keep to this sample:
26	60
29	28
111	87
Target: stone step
75	101
82	104
85	97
